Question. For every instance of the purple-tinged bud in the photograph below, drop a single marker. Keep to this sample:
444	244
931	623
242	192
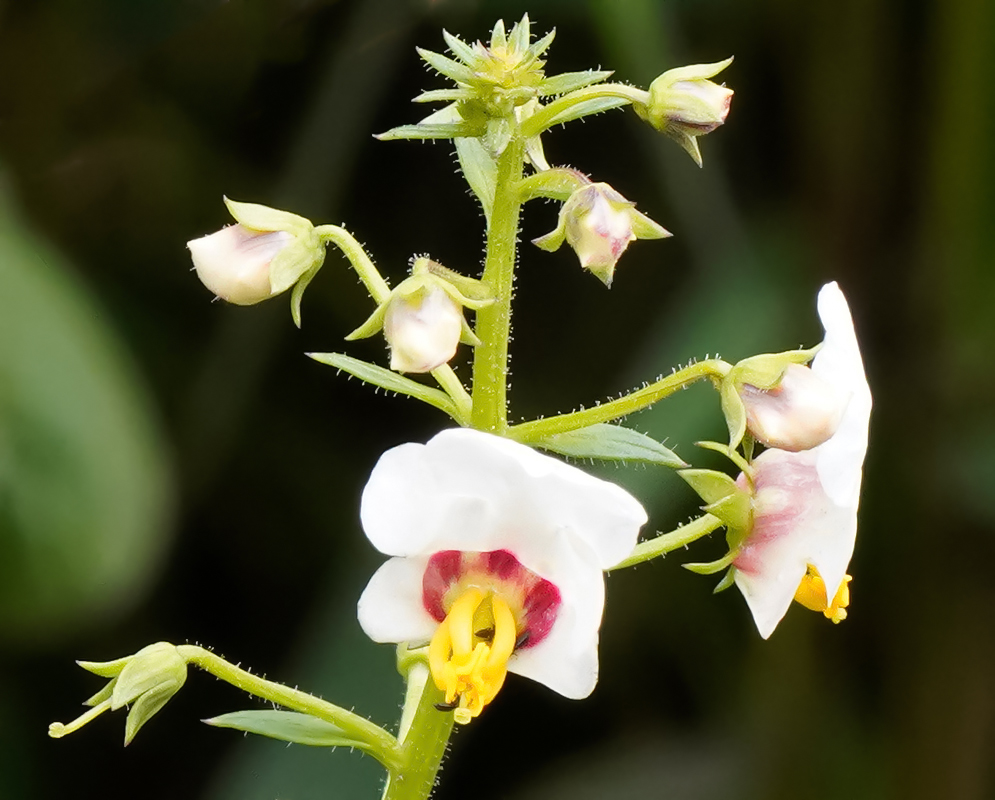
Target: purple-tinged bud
684	104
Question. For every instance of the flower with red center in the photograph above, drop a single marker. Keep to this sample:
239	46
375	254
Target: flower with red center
498	558
804	519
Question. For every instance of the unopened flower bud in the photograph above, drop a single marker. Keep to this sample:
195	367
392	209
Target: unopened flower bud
422	329
684	104
422	319
266	253
144	681
234	262
598	223
799	413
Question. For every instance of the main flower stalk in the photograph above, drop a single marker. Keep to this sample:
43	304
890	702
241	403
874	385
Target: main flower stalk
490	361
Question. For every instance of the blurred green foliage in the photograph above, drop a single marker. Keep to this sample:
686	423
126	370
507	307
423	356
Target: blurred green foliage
856	150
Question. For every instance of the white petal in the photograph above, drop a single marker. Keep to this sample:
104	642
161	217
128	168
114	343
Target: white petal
796	524
841	458
391	608
467	490
567	659
234	262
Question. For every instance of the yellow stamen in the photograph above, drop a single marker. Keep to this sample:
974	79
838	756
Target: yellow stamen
469	653
812	594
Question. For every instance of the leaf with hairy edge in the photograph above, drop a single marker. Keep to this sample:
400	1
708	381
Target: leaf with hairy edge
587	107
609	442
289	726
571	81
391	381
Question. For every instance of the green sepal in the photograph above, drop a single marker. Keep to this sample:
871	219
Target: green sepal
731	454
727	580
373	324
305	254
645	228
571	81
391	381
298	293
711	567
710	485
158	667
608	442
446	66
734	411
735	510
263	218
147	706
105	669
100	697
553	240
765	371
288	726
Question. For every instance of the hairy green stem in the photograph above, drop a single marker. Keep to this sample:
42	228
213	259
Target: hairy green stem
536	430
383	746
424	735
490	358
358	257
668	542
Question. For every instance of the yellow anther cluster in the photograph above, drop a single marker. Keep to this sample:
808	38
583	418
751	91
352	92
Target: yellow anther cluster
812	594
469	652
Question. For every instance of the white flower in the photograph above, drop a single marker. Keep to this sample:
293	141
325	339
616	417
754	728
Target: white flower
805	503
234	263
423	330
498	558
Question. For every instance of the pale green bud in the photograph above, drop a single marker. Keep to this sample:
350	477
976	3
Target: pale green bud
684	104
144	681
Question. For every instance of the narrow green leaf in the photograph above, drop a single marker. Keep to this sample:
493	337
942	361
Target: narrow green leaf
441	95
711	567
391	381
727	580
570	81
609	442
463	51
288	726
480	171
446	66
586	108
449	130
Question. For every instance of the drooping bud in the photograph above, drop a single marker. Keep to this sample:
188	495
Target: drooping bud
266	253
423	329
422	319
684	104
598	223
144	681
801	412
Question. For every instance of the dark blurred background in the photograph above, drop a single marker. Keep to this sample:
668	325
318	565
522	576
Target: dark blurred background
172	468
